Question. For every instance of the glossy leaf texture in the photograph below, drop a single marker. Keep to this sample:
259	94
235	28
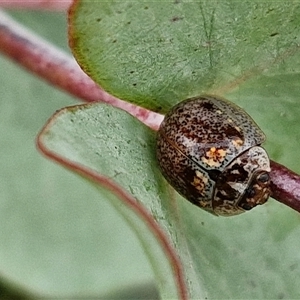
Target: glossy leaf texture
156	53
107	145
254	255
59	240
238	257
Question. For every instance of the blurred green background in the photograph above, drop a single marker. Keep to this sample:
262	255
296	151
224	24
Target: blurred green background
58	239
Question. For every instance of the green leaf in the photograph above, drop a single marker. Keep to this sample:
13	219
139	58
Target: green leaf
239	257
51	221
59	239
100	138
157	53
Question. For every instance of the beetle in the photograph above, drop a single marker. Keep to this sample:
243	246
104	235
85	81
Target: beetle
209	150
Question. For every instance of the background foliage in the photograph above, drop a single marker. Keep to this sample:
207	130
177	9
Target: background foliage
55	238
58	236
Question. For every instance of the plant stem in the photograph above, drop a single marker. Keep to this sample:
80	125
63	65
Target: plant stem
61	70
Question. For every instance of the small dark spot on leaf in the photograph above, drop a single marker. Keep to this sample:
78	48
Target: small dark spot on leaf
134	84
131	72
176	18
128	23
118	11
146	7
177	1
99	20
274	34
293	267
252	283
202	223
114	41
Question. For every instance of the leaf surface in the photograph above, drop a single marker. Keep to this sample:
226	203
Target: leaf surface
58	239
237	257
100	139
157	53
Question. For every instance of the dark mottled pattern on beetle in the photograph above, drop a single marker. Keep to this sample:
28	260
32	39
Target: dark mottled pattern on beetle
243	120
229	183
184	175
236	173
208	150
240	184
257	192
225	184
198	126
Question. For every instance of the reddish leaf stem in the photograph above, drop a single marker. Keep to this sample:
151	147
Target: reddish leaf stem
127	199
60	69
58	5
285	186
53	65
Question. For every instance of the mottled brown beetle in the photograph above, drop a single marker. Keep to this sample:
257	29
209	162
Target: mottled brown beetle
208	150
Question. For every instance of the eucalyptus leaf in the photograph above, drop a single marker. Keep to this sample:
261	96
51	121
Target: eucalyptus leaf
156	53
247	51
241	257
59	239
112	143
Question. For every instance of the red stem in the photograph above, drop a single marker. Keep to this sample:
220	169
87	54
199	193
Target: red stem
285	186
54	66
58	5
60	69
128	200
